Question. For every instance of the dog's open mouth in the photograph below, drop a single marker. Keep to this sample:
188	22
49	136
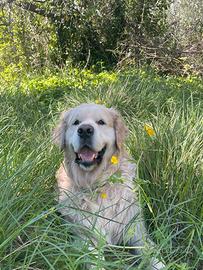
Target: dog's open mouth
88	157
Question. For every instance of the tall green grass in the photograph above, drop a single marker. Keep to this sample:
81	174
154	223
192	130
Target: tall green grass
34	236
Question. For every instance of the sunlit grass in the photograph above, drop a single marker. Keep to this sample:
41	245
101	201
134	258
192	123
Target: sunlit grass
34	236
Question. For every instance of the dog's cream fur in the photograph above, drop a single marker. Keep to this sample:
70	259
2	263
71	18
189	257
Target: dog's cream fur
81	189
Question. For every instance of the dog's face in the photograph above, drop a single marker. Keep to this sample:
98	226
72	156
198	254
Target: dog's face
91	134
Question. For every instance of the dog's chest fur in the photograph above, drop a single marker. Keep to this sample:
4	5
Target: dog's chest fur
109	208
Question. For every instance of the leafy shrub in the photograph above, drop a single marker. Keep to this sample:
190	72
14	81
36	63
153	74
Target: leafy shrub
43	34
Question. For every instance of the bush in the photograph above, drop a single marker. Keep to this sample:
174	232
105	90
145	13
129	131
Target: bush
43	34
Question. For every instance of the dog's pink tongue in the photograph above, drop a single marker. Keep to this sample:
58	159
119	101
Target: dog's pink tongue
87	155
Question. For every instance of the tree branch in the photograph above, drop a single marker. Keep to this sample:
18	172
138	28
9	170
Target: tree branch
35	9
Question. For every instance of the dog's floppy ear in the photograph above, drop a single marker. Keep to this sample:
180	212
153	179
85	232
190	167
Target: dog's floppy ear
60	130
121	130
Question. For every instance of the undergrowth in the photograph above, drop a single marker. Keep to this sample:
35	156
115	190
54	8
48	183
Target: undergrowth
32	234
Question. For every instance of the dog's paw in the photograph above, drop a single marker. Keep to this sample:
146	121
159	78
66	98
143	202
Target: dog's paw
156	264
96	268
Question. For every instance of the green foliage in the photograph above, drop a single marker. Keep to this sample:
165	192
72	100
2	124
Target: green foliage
68	80
37	35
46	33
169	166
28	40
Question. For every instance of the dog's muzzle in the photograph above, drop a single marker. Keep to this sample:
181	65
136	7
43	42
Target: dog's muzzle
86	155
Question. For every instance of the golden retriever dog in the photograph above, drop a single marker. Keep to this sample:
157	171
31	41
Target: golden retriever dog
97	180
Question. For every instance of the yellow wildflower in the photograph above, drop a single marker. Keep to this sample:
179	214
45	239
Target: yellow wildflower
103	195
97	101
114	160
150	131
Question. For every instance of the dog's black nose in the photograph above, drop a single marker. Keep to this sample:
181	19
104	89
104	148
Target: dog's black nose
85	131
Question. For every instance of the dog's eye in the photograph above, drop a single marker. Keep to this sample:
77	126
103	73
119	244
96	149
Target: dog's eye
77	122
101	122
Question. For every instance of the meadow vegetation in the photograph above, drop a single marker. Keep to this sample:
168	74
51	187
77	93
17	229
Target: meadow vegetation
57	54
170	171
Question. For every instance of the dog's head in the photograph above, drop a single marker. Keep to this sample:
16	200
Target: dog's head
90	134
